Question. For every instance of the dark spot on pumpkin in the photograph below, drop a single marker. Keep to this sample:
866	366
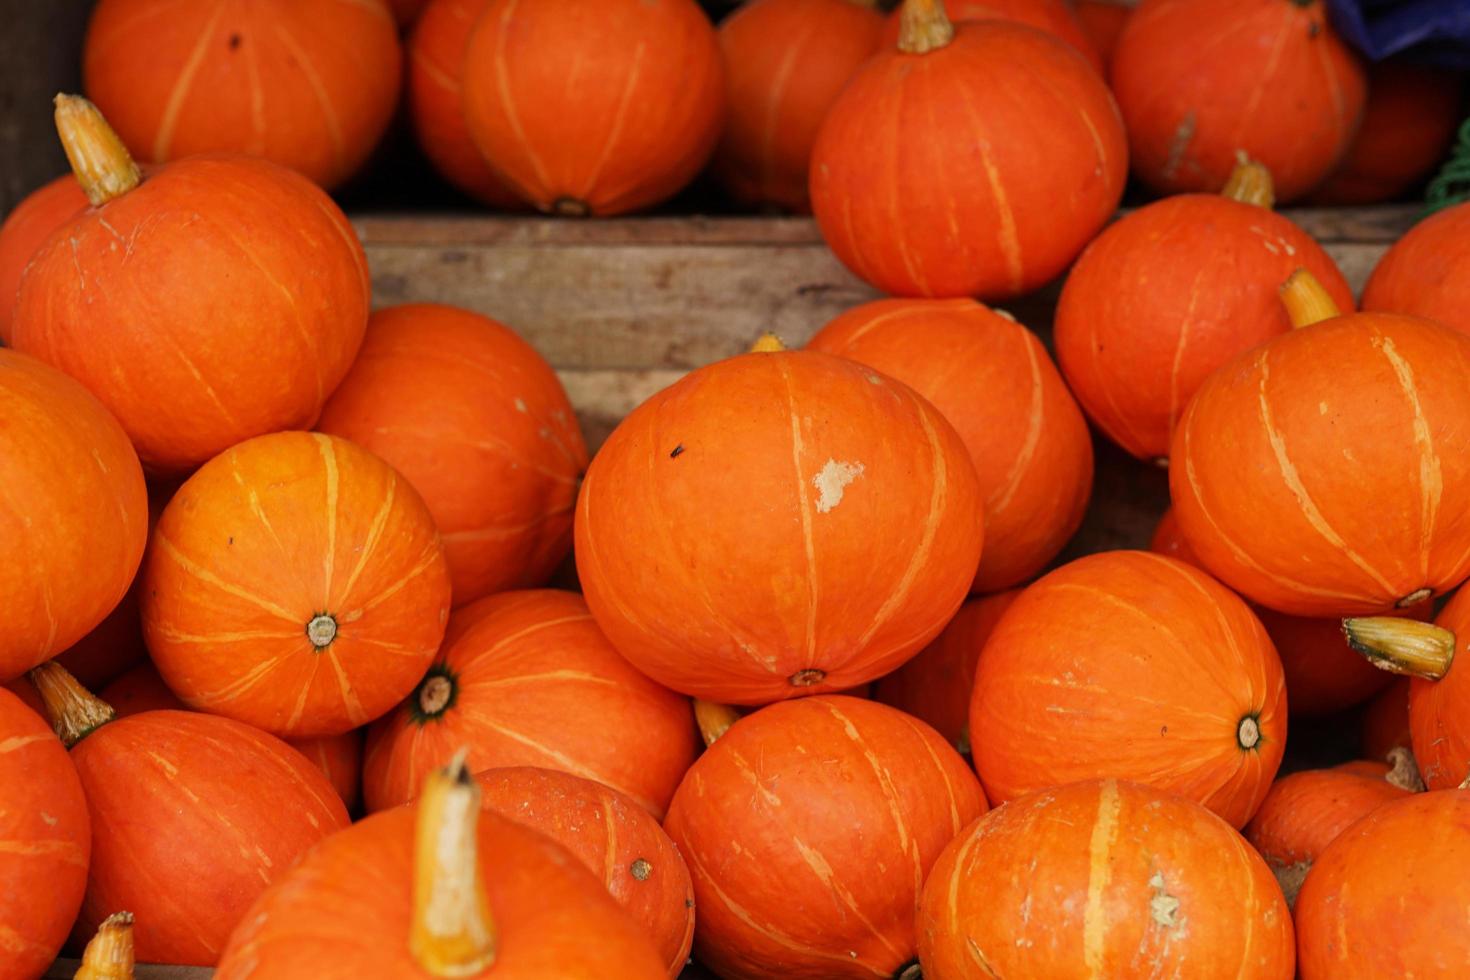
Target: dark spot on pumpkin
1314	29
689	903
1163	729
232	541
641	869
677	450
235	41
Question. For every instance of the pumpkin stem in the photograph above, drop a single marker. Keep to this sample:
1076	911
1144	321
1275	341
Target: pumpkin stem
97	155
923	27
910	971
452	933
109	956
1405	771
75	712
1402	646
1250	183
713	719
767	343
570	207
322	630
1306	301
1248	733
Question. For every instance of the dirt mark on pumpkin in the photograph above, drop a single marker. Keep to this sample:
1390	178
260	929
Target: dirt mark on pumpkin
1163	907
1179	145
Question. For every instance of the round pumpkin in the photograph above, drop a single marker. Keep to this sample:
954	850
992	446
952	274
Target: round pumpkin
963	207
477	421
1439	710
1102	879
786	61
295	582
26	229
594	106
994	382
1387	898
614	838
1199	81
45	842
843	806
1385	724
1135	347
777	524
1425	272
1277	464
1052	17
1127	664
308	84
1102	24
533	682
219	299
73	513
436	103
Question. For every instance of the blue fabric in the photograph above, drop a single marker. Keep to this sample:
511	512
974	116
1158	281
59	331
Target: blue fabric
1435	32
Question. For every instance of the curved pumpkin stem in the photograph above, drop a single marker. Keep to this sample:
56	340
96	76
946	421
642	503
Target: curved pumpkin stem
452	933
1250	183
1405	771
1306	301
97	155
1402	646
923	27
109	956
713	719
767	343
75	712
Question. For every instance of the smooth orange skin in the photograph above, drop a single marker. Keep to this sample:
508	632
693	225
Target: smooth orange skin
73	513
436	106
1305	811
221	299
1439	711
935	686
478	422
786	61
1129	665
1134	348
1074	881
45	842
537	684
1387	898
1385	724
1102	24
843	806
1427	271
192	817
1052	17
608	833
263	539
1277	465
308	84
553	917
615	104
1409	122
994	382
720	564
27	227
991	203
1199	80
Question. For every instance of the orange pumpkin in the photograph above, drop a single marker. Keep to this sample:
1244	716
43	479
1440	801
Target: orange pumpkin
1277	464
615	838
477	421
1385	725
308	84
1102	879
1439	710
1102	24
992	379
993	201
45	842
74	516
1201	80
295	582
1425	273
786	61
436	104
844	805
935	686
219	299
594	106
1130	665
1052	17
777	524
26	229
1135	347
1396	884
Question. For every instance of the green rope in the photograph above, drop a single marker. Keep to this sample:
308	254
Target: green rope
1451	185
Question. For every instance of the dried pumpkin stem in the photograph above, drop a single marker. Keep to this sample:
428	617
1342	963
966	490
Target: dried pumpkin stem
75	712
109	956
452	933
1250	183
713	719
1405	771
923	27
767	343
1306	301
98	157
1402	646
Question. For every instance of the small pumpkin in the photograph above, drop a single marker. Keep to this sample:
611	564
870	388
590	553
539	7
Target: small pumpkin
478	422
1102	879
1130	665
297	583
1052	17
308	84
994	382
27	227
1424	272
920	207
1385	723
1200	80
109	953
594	107
815	545
844	805
1102	23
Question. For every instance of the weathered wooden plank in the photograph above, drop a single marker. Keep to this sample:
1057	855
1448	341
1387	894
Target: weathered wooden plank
39	45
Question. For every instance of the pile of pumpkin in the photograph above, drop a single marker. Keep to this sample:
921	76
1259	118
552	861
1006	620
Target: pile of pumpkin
774	554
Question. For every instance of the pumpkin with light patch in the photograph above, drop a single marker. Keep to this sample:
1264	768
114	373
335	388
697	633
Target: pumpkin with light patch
297	583
1102	879
778	524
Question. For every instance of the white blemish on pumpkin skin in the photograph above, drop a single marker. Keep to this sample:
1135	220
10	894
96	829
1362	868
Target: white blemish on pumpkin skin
520	406
48	819
1163	907
831	482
